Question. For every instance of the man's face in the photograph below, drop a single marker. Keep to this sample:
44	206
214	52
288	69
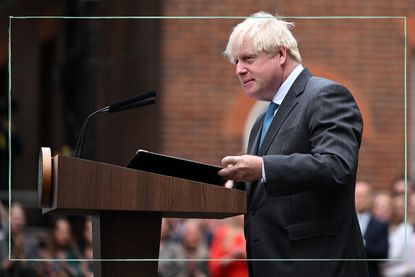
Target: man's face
382	207
363	198
259	74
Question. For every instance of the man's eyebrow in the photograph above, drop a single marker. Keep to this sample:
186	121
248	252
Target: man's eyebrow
247	55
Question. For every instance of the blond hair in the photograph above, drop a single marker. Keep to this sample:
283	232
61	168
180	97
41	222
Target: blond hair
265	33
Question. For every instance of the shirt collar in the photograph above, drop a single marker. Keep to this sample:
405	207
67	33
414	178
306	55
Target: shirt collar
285	87
364	215
363	219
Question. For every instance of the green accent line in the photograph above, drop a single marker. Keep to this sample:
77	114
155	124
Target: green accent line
9	127
406	143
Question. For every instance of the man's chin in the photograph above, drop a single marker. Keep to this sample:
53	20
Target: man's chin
250	92
254	94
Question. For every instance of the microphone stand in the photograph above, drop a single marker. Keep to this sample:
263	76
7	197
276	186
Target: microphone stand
79	144
137	101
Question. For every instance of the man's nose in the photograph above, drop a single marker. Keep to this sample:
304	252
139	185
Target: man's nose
240	69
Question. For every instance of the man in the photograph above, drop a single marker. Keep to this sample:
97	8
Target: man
300	174
374	231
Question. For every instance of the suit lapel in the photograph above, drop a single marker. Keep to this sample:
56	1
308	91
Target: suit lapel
253	145
287	105
256	133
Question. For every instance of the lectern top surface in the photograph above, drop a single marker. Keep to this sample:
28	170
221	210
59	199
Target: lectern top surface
176	167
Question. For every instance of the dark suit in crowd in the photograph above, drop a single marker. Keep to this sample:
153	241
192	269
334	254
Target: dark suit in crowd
376	244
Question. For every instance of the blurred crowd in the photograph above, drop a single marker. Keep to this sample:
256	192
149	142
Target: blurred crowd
57	244
215	248
67	253
387	234
204	247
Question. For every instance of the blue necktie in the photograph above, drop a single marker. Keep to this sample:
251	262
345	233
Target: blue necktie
268	119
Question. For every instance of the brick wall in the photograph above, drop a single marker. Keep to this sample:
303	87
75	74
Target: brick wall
204	109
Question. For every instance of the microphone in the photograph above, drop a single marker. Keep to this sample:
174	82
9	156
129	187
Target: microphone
137	101
133	102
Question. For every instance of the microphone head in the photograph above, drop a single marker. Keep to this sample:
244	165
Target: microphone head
137	104
132	102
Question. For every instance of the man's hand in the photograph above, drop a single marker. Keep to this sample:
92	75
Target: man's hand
244	168
229	184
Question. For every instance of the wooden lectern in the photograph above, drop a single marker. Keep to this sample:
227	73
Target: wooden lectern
127	206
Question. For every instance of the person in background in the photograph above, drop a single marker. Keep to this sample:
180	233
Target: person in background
382	206
208	228
374	231
399	186
229	243
195	247
401	236
411	209
4	241
19	245
87	248
170	250
62	246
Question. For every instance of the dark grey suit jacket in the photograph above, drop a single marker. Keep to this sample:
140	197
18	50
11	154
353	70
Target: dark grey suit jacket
306	208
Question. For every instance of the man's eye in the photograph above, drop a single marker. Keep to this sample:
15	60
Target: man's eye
250	59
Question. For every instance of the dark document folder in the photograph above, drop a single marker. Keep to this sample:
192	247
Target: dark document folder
176	167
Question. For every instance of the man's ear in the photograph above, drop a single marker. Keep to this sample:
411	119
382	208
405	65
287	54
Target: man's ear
282	54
